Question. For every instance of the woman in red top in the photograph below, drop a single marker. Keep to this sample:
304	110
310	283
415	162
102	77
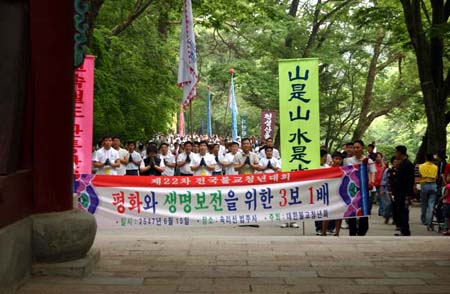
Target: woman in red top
380	166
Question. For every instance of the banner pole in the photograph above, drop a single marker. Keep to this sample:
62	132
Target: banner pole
225	120
191	122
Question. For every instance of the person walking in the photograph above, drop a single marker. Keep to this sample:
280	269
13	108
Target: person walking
428	175
403	189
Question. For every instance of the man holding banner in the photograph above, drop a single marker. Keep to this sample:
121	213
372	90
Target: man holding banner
361	226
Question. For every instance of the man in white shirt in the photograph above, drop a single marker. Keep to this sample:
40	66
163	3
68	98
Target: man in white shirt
228	159
268	164
168	159
106	159
123	156
219	157
222	144
246	162
184	159
205	163
269	143
134	160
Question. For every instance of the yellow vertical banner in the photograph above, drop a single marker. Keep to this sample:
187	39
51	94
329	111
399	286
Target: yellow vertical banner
299	113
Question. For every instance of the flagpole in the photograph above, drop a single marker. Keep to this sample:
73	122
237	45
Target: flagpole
225	120
191	122
181	122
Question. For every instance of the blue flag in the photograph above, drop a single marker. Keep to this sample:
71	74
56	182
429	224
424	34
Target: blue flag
208	114
234	111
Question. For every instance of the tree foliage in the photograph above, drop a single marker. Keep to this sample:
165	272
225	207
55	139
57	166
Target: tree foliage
367	66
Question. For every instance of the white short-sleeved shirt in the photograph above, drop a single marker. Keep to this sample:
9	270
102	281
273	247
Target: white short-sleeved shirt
229	158
353	160
275	153
219	166
123	154
273	161
203	171
101	155
240	159
170	158
222	150
136	158
186	169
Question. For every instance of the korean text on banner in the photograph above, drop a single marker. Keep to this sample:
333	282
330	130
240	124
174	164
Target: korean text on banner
84	111
299	113
268	120
127	201
244	126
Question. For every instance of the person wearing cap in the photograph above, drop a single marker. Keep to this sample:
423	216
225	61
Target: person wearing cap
403	189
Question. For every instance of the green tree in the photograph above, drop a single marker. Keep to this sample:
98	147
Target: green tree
429	32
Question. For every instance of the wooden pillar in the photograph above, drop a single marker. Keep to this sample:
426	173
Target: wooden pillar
51	30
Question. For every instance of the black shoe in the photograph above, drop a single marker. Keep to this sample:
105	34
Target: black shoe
401	235
252	226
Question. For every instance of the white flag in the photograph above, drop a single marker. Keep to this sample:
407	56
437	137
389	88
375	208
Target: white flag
187	68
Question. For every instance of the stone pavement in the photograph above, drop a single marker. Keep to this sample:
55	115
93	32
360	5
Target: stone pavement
262	260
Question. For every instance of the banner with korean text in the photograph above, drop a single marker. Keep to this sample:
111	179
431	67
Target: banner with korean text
299	113
268	119
138	201
244	126
84	111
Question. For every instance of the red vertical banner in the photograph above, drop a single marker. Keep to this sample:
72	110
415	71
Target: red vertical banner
84	112
268	119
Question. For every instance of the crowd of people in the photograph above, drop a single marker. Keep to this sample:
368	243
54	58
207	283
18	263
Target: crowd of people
392	184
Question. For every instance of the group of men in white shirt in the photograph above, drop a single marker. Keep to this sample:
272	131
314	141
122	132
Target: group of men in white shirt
211	159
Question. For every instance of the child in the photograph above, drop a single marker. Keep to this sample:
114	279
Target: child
338	158
446	207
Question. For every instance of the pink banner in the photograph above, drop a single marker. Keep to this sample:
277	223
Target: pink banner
268	119
84	111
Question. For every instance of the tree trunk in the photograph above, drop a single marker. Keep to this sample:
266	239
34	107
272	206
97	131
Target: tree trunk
429	56
366	102
94	8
